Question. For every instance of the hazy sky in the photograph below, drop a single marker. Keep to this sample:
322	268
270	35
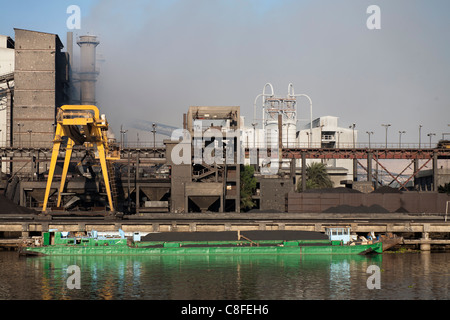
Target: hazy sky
162	56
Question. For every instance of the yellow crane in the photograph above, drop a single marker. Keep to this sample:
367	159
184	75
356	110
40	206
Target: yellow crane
82	125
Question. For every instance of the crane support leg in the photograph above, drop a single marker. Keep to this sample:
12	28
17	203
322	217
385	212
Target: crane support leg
55	153
102	156
67	158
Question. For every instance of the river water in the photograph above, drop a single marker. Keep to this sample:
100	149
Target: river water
398	276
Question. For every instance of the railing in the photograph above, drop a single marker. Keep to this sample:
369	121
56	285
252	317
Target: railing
25	143
342	145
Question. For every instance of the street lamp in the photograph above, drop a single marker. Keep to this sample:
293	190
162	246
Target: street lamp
339	138
386	126
420	134
400	138
19	140
154	139
29	132
430	135
353	128
122	136
254	124
369	133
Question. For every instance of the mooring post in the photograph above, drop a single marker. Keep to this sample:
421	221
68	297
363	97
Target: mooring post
425	245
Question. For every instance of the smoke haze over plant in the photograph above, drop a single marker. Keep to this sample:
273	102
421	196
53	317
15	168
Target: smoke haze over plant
163	56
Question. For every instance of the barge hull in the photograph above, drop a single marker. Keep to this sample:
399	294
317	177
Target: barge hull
180	250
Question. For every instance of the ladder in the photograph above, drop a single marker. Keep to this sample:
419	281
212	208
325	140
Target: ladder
113	182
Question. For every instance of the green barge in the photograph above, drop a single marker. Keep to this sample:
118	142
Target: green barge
200	243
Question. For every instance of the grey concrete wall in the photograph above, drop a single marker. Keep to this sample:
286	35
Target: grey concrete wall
273	193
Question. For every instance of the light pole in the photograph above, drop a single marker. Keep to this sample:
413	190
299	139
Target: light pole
19	140
369	133
400	138
420	134
154	139
430	135
309	143
386	126
321	132
353	134
339	138
29	132
254	124
122	136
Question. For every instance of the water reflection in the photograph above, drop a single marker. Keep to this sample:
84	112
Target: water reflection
204	277
403	276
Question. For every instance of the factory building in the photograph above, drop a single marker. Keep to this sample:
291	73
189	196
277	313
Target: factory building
37	77
323	132
201	185
41	81
7	55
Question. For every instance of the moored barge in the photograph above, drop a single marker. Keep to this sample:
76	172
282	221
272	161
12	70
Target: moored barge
200	243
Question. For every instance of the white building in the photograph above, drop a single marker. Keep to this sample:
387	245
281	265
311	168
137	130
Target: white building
6	84
327	134
323	132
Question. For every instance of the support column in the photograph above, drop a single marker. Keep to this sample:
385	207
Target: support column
303	170
25	232
416	180
435	174
292	168
369	167
137	189
425	237
280	142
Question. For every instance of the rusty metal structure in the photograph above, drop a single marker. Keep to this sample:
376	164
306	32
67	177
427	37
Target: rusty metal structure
430	155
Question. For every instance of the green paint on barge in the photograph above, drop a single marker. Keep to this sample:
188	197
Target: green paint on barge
57	244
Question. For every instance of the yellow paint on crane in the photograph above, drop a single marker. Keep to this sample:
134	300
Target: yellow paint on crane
82	125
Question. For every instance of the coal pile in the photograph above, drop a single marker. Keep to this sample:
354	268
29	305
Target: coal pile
284	235
332	190
356	209
401	210
191	236
233	235
9	207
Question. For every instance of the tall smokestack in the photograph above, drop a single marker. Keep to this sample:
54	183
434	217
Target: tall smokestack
88	73
70	47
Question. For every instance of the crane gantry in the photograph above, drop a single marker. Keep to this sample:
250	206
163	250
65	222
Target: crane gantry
82	125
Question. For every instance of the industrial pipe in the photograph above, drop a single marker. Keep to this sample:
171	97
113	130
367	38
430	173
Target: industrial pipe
292	94
263	95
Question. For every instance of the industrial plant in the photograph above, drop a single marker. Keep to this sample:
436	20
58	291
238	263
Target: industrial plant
60	160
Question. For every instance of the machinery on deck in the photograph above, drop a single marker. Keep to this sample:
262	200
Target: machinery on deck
81	125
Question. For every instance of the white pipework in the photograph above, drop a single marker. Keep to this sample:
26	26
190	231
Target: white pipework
292	94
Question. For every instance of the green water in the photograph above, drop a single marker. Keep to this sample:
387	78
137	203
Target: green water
402	276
